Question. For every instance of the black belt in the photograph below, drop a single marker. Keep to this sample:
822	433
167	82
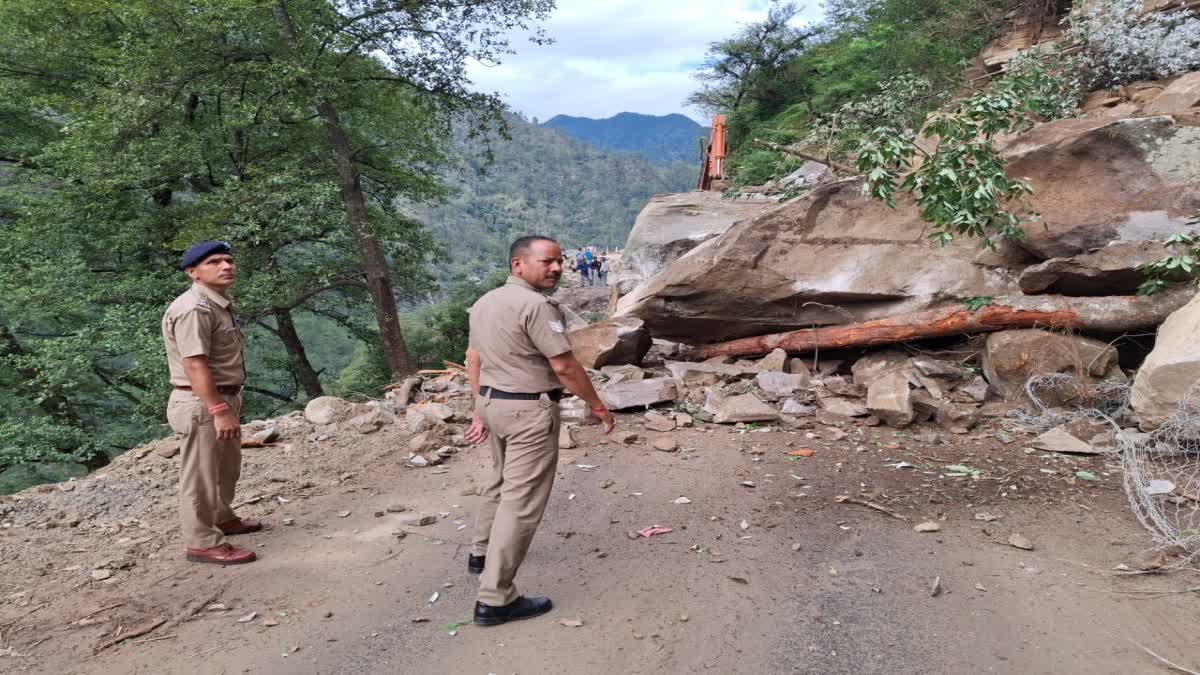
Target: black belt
227	389
554	394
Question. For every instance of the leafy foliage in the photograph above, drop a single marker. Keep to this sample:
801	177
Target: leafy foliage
961	186
1182	261
1121	44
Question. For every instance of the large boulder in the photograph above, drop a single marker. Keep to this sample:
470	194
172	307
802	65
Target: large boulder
832	256
835	256
324	410
1101	180
1011	357
671	225
1171	370
1111	270
612	342
1180	96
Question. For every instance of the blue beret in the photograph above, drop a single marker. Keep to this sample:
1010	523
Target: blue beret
198	252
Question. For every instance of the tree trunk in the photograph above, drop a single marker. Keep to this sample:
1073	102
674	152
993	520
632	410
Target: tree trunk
379	280
295	348
1113	314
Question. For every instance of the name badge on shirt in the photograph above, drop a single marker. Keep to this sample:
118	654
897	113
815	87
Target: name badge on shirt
555	326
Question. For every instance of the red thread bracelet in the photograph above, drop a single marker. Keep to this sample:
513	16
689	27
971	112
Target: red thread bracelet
218	408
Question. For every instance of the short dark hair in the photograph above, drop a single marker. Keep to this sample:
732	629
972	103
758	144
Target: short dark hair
521	246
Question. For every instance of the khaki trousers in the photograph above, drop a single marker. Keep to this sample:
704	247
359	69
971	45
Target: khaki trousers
524	443
209	469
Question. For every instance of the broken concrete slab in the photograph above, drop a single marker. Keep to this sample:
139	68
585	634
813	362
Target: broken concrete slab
615	341
640	393
743	408
890	399
843	406
1059	439
775	362
777	385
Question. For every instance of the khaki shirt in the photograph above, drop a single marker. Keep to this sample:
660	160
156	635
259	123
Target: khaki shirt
516	329
200	323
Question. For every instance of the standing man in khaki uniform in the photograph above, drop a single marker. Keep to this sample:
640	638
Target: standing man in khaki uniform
204	353
519	361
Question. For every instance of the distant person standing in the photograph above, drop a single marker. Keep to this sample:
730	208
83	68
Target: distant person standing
595	265
518	363
204	354
585	270
602	270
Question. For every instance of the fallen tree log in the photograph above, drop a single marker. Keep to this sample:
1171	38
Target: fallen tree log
1108	314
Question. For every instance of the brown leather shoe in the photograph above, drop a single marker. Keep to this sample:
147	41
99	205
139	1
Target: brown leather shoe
240	526
221	555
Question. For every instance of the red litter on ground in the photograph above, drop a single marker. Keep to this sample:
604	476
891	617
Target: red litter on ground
651	531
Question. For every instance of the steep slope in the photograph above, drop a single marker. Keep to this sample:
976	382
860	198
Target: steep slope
543	182
659	139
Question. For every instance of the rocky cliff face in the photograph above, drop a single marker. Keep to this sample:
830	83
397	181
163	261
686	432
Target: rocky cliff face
835	256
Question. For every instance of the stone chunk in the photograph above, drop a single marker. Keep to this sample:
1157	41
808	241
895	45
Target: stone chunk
616	341
324	410
1180	96
1172	368
369	422
1059	439
938	369
794	407
422	416
659	422
890	399
877	364
743	408
1011	357
566	437
843	406
418	519
775	362
666	443
682	370
426	441
777	385
797	366
640	393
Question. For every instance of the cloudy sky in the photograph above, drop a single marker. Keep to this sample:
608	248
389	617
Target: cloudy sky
611	56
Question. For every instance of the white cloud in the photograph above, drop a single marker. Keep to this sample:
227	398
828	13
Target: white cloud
611	56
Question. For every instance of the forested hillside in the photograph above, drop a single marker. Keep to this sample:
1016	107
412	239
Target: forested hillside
660	139
130	130
541	181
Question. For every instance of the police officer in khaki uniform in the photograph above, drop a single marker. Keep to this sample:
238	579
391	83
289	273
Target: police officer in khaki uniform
518	362
204	353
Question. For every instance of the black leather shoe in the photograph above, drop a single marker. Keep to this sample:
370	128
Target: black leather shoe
475	563
521	608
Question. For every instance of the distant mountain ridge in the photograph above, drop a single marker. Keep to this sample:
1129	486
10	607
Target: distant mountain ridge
661	139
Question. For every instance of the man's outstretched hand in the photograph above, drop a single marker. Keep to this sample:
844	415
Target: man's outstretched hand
477	432
606	418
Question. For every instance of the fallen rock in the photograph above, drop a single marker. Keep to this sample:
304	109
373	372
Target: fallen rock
797	366
566	437
956	418
743	408
928	526
628	439
1011	357
1018	541
835	256
659	422
890	399
369	422
684	370
775	362
976	389
671	225
269	434
843	407
426	441
324	410
418	519
877	364
1171	370
422	416
1061	440
1111	270
938	369
636	394
794	407
777	385
666	443
616	341
1182	95
167	450
623	372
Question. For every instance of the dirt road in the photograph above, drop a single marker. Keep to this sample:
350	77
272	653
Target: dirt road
808	585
